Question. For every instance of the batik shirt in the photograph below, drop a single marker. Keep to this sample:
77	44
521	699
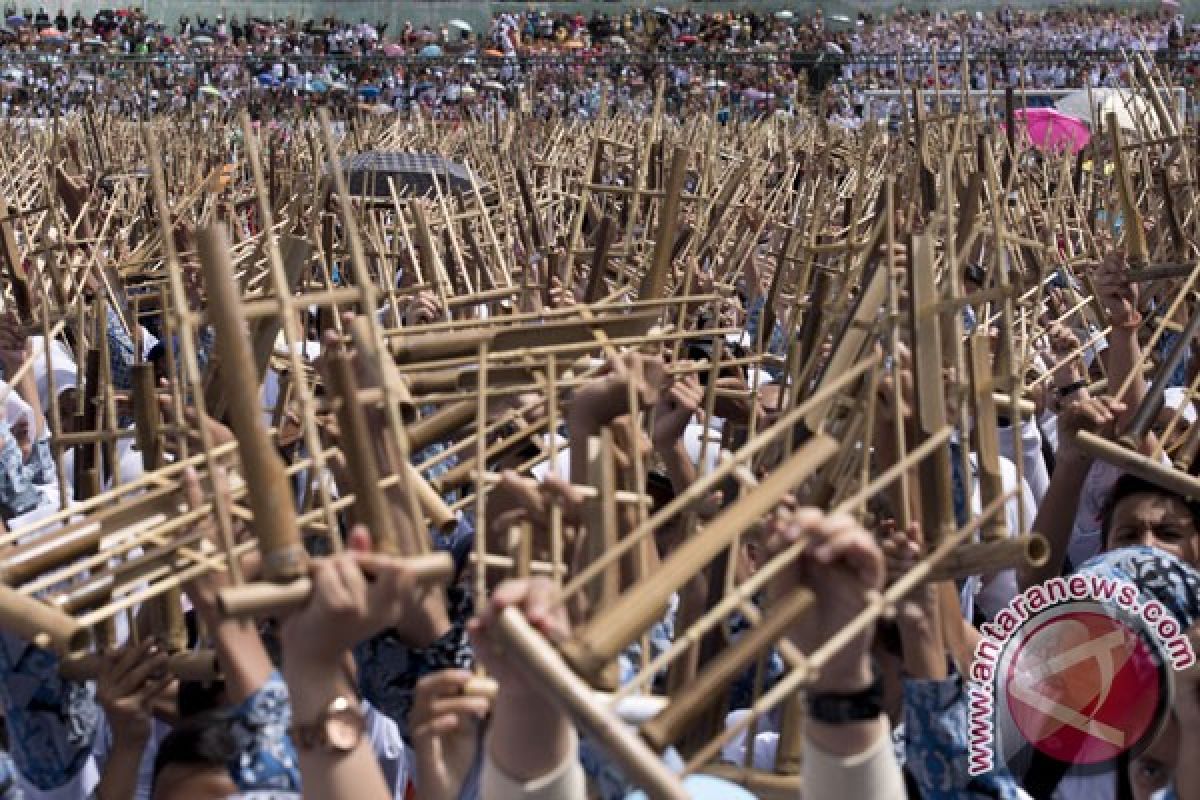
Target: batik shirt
936	749
19	476
51	721
266	758
388	669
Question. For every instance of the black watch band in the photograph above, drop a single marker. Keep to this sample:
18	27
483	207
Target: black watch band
839	709
1070	389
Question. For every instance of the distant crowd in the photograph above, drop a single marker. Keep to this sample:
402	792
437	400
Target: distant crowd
734	62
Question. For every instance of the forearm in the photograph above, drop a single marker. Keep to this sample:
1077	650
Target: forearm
1124	367
243	658
861	765
330	775
511	747
120	778
921	635
680	469
1056	517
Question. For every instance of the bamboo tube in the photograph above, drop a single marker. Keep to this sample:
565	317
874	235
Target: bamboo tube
1144	467
370	507
1136	249
36	622
937	498
268	599
595	288
58	548
669	725
598	642
985	558
985	434
439	515
552	677
439	426
655	282
270	497
433	346
146	416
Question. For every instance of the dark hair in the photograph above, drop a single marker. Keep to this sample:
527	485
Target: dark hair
1130	484
203	741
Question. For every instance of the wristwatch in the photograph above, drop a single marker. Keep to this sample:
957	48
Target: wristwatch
338	730
839	709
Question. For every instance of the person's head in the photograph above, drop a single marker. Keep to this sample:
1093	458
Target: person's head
1141	513
193	761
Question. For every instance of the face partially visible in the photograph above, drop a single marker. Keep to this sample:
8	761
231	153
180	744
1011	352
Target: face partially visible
1155	520
1153	769
188	782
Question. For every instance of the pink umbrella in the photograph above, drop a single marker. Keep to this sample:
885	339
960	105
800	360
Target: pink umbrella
393	50
1052	130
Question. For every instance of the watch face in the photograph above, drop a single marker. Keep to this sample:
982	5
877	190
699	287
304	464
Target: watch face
343	729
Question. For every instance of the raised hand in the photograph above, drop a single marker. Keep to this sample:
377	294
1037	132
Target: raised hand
1116	290
130	680
445	724
843	566
676	407
424	309
1097	415
605	398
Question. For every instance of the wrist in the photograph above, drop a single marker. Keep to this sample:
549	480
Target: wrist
129	740
311	691
1126	322
844	677
1070	458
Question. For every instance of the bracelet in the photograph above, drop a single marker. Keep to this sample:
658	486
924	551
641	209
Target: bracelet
1071	388
839	709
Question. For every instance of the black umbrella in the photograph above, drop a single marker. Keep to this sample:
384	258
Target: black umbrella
369	173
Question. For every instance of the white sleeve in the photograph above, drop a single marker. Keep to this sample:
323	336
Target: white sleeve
870	775
1032	461
565	782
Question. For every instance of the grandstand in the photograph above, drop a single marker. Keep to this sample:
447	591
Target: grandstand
478	13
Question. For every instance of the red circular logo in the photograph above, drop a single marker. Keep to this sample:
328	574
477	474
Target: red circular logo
1084	687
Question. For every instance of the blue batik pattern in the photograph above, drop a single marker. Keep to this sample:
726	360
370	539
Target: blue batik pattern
20	476
388	669
936	749
266	757
51	721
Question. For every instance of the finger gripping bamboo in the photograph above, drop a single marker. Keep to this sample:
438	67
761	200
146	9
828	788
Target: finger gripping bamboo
270	497
265	599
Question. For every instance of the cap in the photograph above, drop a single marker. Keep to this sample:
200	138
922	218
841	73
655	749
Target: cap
1158	575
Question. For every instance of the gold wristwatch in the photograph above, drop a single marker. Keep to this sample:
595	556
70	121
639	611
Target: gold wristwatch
339	729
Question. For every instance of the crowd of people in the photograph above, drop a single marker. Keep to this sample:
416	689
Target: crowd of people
746	63
379	687
373	698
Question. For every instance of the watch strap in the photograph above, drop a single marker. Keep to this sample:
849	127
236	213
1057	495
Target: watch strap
834	708
315	735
